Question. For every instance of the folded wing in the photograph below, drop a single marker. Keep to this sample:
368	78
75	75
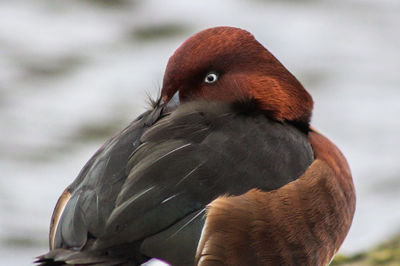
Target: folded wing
148	187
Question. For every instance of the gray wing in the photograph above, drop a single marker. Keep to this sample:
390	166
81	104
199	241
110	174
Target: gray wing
153	196
87	203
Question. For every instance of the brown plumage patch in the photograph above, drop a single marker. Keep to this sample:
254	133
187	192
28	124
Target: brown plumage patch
55	218
301	223
246	69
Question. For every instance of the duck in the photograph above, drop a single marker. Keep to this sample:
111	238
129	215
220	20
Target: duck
224	168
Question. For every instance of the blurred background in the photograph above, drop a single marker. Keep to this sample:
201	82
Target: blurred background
74	73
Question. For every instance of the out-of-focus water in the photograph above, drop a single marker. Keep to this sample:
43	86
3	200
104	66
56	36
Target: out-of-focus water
73	73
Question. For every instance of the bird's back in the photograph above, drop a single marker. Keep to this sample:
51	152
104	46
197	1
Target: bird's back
144	193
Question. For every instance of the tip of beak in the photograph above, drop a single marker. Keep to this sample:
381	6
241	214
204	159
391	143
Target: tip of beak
170	102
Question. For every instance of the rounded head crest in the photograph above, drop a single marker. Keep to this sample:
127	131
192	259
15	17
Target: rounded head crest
229	64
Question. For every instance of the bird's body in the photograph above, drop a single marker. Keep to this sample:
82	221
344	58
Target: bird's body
238	180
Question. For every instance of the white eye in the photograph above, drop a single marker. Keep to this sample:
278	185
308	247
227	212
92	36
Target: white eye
211	77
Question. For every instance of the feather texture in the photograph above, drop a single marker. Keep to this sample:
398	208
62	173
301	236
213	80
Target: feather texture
156	176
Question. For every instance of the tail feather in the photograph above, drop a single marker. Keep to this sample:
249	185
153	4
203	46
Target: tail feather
60	257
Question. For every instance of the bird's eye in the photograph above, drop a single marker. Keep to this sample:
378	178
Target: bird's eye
211	77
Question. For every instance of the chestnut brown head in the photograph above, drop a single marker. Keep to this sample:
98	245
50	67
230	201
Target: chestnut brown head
229	64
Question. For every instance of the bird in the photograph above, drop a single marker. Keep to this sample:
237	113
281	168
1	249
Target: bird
224	168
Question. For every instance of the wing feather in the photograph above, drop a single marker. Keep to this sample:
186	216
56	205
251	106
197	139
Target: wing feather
154	179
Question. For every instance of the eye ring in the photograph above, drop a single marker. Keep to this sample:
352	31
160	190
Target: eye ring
211	77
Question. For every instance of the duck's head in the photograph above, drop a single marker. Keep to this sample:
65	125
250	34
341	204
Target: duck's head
228	64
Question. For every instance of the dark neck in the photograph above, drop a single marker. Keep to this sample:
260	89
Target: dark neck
251	107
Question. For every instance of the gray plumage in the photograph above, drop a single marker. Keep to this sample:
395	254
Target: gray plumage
144	192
